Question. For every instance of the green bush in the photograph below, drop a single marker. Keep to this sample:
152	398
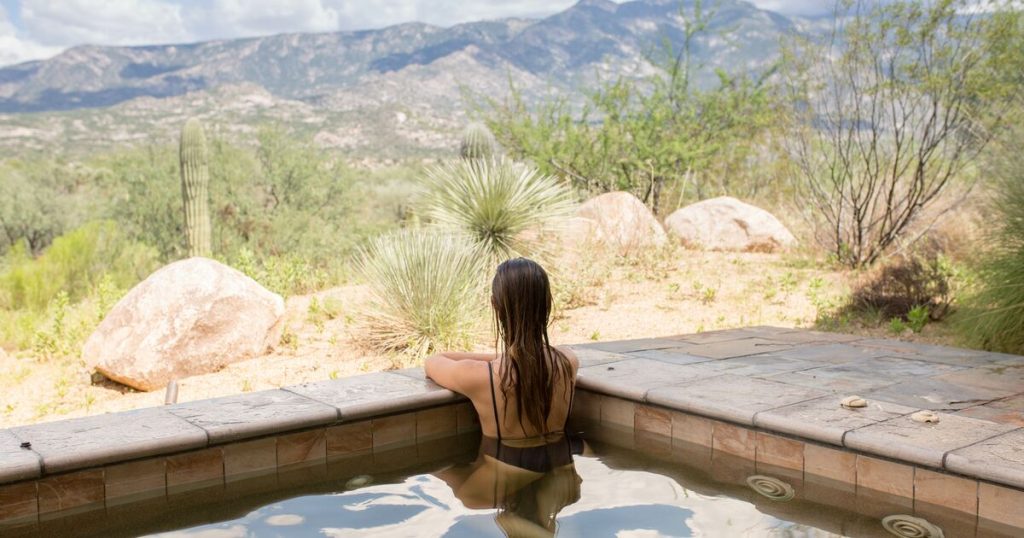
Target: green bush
53	302
40	199
426	290
285	275
503	206
664	139
74	264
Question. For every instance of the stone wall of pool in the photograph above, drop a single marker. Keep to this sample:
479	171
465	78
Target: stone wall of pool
764	395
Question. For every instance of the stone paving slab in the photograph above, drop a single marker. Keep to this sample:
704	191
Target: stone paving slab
824	419
904	439
375	394
632	378
999	458
626	346
728	335
1008	410
766	365
836	353
797	336
737	348
1008	377
674	355
96	440
731	397
994	414
17	463
779	334
591	357
827	380
865	374
931	353
253	414
935	394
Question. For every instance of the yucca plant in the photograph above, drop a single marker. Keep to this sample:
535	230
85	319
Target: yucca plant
993	317
505	207
426	291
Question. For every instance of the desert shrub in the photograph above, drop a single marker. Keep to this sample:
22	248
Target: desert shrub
52	303
286	275
426	291
40	199
907	286
677	135
74	265
868	174
144	189
502	205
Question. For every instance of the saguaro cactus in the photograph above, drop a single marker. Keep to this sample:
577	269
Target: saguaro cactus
195	192
477	142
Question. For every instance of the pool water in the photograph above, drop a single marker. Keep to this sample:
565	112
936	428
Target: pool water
619	495
621	486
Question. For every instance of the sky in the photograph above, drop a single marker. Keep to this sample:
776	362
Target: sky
32	29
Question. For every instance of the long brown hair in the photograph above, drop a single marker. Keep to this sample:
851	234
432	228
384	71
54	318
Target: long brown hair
521	297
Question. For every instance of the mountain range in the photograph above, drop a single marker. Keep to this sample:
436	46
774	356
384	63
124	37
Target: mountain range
390	93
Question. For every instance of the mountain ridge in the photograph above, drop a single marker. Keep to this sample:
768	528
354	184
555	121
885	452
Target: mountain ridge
416	67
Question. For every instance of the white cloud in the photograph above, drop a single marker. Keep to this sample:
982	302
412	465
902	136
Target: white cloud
356	13
47	26
795	7
235	18
15	48
108	22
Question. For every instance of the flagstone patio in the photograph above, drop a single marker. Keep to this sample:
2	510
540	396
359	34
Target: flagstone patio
791	381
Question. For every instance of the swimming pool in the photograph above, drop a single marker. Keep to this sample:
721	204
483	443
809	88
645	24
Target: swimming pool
623	485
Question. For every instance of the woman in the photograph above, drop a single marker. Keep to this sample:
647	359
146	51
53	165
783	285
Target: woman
523	396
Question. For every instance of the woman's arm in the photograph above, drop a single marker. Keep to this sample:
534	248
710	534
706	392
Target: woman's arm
461	355
454	374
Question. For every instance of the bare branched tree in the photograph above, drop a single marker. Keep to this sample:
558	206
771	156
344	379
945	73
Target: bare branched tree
891	119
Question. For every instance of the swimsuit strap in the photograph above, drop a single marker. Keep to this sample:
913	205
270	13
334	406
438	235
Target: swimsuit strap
568	411
494	402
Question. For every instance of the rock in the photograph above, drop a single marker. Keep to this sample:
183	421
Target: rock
619	220
925	416
191	317
853	402
728	224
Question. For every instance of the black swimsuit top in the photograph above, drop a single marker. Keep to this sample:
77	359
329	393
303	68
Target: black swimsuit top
552	450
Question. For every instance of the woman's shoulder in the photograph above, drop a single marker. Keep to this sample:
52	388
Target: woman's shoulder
569	354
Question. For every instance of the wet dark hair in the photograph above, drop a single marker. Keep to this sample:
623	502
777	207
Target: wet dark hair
521	297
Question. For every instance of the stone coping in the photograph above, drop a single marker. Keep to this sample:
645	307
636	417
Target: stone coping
38	450
786	381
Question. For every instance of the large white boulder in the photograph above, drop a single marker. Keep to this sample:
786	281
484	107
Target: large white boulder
726	223
191	317
619	220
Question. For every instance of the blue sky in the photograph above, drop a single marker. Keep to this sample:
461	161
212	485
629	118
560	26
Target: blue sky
31	29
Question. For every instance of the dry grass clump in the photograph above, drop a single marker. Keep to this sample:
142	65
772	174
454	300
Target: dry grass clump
426	292
924	279
994	314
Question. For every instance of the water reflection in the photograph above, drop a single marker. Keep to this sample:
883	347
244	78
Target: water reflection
527	485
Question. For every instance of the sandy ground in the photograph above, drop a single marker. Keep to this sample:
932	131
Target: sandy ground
671	291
